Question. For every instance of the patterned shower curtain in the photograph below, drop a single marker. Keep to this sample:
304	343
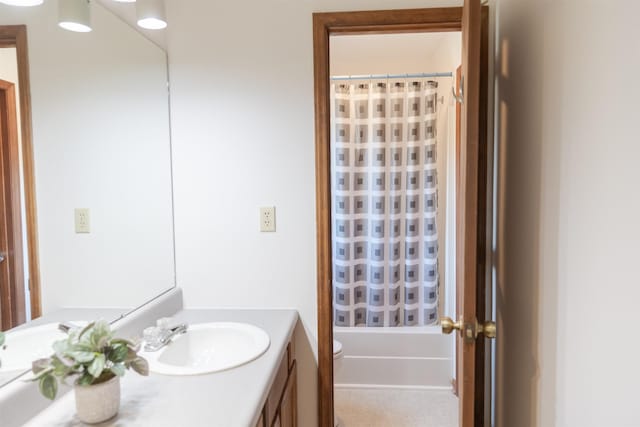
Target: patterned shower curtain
385	241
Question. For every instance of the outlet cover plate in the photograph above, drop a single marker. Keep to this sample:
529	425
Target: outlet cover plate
268	219
82	221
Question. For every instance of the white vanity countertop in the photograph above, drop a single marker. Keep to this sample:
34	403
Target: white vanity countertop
232	398
62	315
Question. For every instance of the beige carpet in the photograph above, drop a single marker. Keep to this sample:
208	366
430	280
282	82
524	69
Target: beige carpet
396	408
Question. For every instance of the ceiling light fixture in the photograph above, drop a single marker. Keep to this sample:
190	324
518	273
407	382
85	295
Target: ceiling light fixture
151	14
22	2
74	15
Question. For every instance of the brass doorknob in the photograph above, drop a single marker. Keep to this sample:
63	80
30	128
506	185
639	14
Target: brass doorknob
488	329
469	331
448	325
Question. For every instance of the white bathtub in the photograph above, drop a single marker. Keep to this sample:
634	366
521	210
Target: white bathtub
403	357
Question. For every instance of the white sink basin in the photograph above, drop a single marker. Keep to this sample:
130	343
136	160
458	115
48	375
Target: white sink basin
209	347
23	346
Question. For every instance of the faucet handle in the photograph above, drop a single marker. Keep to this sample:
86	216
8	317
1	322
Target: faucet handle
163	323
152	334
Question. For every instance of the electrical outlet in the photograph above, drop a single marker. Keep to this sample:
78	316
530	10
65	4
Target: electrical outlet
268	219
82	220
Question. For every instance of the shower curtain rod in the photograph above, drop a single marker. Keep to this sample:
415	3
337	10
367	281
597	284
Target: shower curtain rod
391	76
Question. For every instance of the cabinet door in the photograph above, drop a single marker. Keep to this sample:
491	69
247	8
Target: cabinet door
277	390
288	406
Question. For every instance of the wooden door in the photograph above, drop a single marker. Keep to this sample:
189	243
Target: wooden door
12	294
471	200
470	220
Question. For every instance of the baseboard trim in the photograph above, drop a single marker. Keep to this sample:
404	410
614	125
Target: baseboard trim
392	387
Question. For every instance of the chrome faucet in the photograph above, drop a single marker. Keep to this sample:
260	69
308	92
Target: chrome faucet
159	336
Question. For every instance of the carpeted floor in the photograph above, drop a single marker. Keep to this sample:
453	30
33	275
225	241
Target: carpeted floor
396	408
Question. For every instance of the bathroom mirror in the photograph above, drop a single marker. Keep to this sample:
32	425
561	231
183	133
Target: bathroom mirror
102	167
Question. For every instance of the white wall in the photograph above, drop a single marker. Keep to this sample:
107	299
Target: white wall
8	65
100	135
569	209
242	121
394	53
9	73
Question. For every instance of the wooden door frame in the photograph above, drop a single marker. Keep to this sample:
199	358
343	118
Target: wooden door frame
365	22
12	293
16	36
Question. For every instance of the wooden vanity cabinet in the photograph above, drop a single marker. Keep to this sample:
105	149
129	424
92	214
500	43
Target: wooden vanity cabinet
288	404
280	410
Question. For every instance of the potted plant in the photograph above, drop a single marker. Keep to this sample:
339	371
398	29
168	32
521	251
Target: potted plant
95	360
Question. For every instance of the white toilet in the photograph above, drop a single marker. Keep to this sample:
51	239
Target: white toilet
338	355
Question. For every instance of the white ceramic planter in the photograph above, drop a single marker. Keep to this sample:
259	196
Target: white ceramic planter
97	403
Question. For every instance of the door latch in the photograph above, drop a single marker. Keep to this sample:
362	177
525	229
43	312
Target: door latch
469	331
459	97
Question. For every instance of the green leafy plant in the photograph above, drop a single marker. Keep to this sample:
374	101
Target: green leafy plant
88	356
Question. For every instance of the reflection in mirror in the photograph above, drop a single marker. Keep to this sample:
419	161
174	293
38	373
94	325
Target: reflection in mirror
99	138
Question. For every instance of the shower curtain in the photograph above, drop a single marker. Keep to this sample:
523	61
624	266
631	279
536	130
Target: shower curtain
385	241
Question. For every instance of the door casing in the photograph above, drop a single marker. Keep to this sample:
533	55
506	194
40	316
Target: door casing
373	22
12	293
16	36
